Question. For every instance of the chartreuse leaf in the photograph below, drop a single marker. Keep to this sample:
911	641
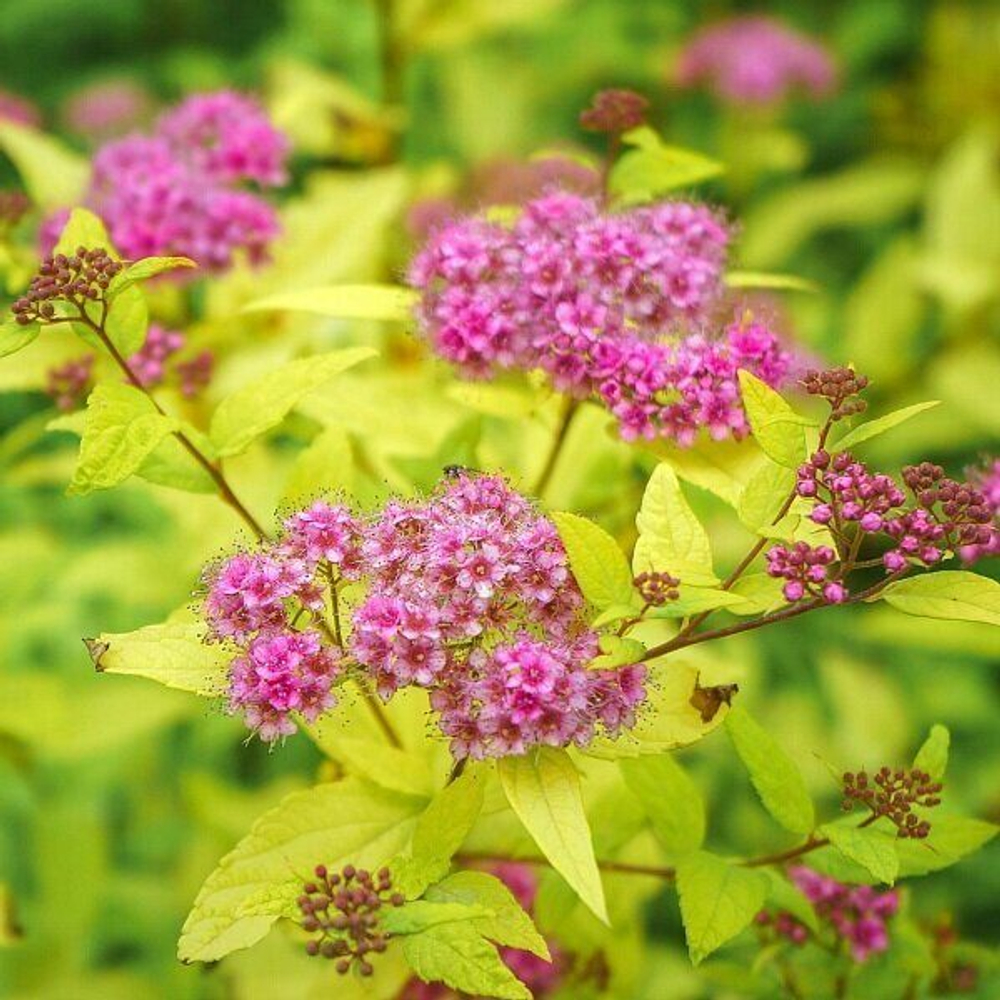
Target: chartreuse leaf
440	831
670	799
953	594
13	337
457	955
776	778
53	174
785	896
671	538
776	427
10	932
543	789
652	167
143	270
616	651
325	466
121	428
171	464
387	302
932	757
764	494
598	563
507	925
767	279
263	403
873	428
344	822
872	848
128	316
418	915
718	900
951	839
175	653
378	762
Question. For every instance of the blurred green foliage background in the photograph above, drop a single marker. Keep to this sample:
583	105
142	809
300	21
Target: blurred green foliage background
117	798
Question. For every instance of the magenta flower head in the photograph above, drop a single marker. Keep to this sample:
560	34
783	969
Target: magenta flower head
755	60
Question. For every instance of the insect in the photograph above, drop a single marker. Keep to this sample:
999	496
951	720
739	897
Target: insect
96	649
454	471
708	700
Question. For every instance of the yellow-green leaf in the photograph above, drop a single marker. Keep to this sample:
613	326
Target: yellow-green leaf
873	849
776	427
543	788
385	302
766	279
13	337
954	594
597	562
932	757
652	168
875	427
54	175
670	799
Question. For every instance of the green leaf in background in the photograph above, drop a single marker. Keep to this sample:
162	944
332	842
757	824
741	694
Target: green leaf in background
263	403
932	757
457	955
54	175
344	822
176	654
325	465
721	467
872	848
670	799
764	279
954	594
121	428
171	464
875	427
508	925
441	829
776	427
951	839
598	563
774	774
652	168
783	895
143	270
13	337
718	900
10	932
543	789
385	302
671	538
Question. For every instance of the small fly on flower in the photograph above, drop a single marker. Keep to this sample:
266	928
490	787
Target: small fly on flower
456	471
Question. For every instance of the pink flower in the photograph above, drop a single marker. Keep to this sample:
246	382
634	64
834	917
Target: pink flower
107	109
17	109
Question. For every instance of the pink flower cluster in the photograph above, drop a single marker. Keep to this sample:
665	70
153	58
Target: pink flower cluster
19	110
175	192
806	569
856	914
585	296
987	481
468	594
755	60
67	384
107	109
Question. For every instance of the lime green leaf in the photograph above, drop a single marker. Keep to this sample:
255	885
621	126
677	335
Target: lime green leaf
325	466
13	337
717	900
873	849
776	778
418	915
383	765
758	593
652	168
345	822
721	467
176	654
386	302
776	427
764	495
952	594
873	428
951	839
54	175
122	427
670	799
171	464
671	538
509	925
543	789
932	757
83	228
457	955
693	600
765	279
784	896
597	562
440	831
264	402
142	270
616	651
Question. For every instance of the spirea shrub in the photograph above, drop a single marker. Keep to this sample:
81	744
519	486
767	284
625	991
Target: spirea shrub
498	688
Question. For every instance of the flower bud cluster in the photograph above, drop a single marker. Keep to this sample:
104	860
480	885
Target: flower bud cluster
755	60
840	387
343	908
986	479
656	589
615	111
783	925
857	915
68	384
586	297
177	191
62	279
14	206
467	594
894	794
807	572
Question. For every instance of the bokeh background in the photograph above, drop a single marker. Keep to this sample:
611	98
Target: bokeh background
117	798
